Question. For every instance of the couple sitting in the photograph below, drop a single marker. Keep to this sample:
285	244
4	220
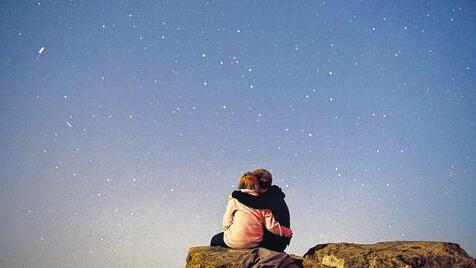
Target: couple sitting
256	215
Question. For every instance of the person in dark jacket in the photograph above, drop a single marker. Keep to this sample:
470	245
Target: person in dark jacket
270	197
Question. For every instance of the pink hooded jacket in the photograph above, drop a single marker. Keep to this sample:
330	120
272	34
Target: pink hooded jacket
243	226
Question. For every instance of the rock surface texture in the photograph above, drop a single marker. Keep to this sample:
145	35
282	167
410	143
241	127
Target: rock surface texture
208	257
215	257
383	254
391	254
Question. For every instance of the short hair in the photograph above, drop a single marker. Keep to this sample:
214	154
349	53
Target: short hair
263	175
248	181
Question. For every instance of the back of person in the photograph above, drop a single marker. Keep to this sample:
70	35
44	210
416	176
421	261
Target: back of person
278	206
244	226
273	199
280	210
246	231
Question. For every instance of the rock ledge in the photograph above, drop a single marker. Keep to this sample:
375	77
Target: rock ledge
342	255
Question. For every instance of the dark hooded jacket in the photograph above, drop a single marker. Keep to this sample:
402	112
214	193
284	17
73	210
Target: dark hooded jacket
272	199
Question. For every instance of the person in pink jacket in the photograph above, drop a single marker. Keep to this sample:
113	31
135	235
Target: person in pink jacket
242	225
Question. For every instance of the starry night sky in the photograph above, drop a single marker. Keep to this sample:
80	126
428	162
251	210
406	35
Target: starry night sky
124	125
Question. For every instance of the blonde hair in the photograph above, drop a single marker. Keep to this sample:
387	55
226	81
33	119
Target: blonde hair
248	181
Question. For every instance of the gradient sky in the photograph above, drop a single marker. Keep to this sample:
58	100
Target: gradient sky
124	125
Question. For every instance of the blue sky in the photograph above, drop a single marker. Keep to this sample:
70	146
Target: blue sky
126	124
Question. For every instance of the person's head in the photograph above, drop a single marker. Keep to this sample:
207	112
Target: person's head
248	181
265	178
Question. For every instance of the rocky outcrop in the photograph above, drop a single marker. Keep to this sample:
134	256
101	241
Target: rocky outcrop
215	257
383	254
391	254
208	257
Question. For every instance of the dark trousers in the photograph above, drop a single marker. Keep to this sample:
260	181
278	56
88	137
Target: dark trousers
217	241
